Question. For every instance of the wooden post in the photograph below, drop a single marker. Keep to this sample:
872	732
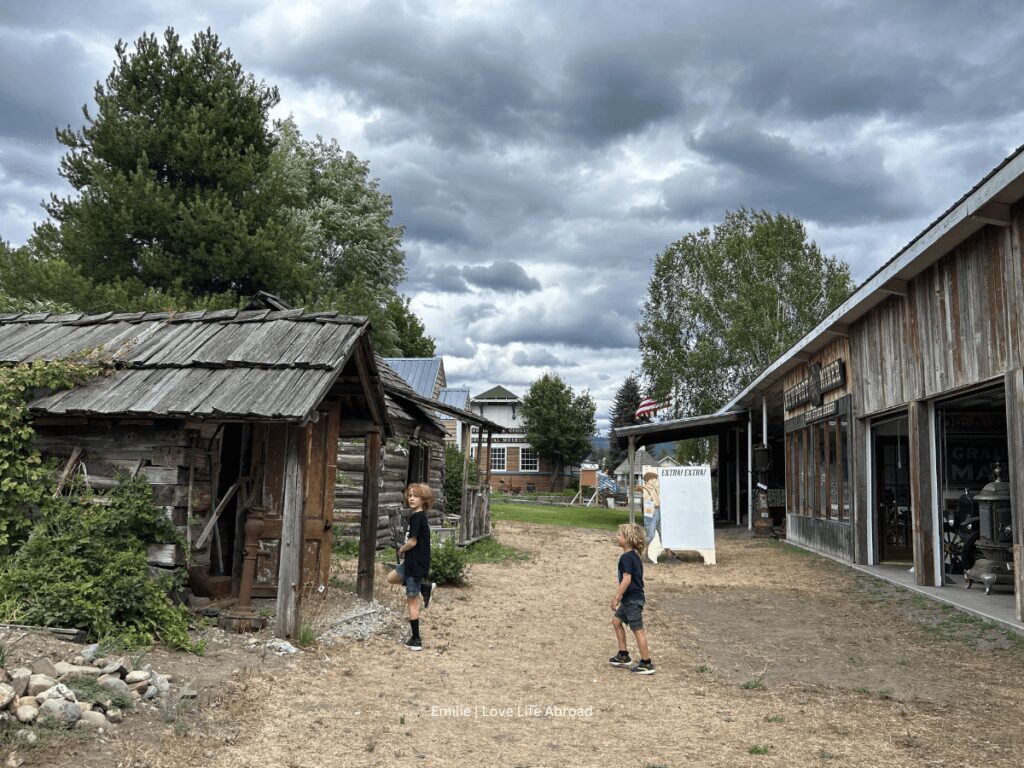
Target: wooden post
467	443
368	520
629	482
750	470
290	572
920	435
1014	383
739	477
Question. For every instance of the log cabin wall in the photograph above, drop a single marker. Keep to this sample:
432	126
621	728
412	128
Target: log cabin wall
348	494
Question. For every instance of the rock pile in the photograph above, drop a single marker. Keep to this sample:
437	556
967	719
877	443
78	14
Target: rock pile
89	692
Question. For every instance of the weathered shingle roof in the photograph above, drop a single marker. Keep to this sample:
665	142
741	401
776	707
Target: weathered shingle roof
226	363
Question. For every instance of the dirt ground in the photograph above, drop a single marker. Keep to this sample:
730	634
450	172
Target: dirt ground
771	657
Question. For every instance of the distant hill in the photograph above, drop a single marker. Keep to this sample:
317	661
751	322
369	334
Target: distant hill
599	444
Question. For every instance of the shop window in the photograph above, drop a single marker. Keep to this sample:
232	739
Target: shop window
529	461
498	459
818	469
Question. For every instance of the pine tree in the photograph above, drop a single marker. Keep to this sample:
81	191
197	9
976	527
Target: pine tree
169	175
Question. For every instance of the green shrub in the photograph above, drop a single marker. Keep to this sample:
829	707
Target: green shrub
448	564
84	566
25	482
346	548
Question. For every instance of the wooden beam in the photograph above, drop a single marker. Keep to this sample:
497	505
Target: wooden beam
356	428
894	287
290	570
1014	383
838	329
369	517
993	213
922	503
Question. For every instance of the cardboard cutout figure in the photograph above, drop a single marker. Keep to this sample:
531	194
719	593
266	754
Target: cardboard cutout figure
651	490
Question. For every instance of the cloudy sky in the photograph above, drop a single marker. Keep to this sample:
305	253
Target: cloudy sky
541	154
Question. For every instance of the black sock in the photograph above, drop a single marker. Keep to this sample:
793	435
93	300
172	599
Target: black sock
645	661
415	624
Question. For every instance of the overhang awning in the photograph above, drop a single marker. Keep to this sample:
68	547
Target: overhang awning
680	429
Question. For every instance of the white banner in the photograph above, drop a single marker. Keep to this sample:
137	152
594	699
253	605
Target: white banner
687	514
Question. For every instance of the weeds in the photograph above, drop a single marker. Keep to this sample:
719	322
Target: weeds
704	669
753	685
307	635
759	749
489	550
774	719
88	688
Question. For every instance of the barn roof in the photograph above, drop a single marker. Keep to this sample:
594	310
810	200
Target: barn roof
259	364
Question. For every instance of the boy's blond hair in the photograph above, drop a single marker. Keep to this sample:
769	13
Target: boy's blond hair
424	491
635	536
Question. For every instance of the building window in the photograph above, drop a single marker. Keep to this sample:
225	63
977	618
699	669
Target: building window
498	459
818	470
528	460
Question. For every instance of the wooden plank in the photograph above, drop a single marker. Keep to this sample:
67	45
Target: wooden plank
921	497
368	528
290	568
1014	383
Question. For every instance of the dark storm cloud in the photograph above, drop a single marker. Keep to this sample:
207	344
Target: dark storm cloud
502	277
540	358
586	326
45	82
751	168
442	279
475	312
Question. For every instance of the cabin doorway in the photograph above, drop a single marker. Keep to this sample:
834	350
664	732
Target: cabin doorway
892	503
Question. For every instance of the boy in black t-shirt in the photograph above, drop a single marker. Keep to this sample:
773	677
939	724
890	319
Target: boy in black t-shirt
412	571
629	599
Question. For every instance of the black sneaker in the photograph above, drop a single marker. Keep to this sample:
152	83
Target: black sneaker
426	591
643	668
414	644
620	659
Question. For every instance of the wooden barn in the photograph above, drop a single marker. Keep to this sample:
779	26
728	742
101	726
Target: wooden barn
892	435
232	416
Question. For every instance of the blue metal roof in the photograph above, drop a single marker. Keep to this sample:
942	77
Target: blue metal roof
454	396
420	373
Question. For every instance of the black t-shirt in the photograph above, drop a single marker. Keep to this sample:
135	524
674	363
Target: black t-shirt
417	559
630	562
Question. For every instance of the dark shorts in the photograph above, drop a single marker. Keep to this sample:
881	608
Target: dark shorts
631	614
412	584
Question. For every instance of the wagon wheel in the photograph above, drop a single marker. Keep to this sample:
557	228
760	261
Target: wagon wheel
956	552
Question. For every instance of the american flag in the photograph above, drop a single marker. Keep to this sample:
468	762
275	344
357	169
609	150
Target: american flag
606	483
650	406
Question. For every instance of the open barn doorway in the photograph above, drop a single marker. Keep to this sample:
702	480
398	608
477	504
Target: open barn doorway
891	492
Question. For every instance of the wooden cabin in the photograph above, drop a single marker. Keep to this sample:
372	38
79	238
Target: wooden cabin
416	455
231	416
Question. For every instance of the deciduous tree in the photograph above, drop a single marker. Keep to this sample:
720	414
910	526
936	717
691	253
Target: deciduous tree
559	423
722	304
